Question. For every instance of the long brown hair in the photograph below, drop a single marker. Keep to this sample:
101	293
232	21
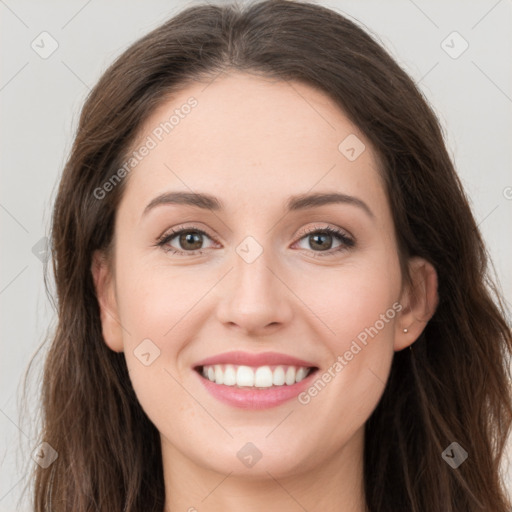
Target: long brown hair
453	387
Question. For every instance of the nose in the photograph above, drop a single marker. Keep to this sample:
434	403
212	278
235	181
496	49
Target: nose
255	299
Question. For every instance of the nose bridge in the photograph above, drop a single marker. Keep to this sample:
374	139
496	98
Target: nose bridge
256	297
253	279
252	263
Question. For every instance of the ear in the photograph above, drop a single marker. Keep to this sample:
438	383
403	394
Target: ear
419	301
105	293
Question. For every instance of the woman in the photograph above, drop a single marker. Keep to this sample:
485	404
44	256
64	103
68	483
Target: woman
328	341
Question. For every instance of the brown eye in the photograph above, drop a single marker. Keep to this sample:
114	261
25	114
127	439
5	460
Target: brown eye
184	241
191	240
321	241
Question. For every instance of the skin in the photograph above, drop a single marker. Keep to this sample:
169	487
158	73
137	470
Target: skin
253	142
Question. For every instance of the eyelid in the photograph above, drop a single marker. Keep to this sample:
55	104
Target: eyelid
323	227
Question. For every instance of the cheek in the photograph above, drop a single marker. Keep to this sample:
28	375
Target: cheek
359	308
157	312
152	301
350	299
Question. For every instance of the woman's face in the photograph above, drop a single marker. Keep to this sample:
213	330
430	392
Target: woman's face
254	276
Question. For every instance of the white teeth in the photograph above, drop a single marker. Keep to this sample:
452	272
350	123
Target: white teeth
290	376
219	377
245	376
263	377
300	374
260	377
278	377
229	375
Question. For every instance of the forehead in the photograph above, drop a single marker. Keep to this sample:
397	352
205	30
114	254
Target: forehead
251	139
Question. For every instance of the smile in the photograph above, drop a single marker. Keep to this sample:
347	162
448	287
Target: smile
259	377
254	381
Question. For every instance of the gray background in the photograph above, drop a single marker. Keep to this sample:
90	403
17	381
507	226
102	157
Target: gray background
40	100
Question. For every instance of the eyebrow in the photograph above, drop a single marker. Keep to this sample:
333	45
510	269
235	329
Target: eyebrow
294	203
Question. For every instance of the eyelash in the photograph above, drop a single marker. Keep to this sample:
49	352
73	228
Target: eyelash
347	242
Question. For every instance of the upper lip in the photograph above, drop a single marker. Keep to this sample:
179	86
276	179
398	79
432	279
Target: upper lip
255	359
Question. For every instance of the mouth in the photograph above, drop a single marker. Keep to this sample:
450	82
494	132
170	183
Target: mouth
252	380
259	378
253	388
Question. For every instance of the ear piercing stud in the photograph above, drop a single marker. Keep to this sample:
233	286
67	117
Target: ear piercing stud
406	330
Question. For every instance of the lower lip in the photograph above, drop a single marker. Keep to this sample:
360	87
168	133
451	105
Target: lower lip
255	398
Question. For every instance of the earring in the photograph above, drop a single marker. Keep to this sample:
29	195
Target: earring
406	330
